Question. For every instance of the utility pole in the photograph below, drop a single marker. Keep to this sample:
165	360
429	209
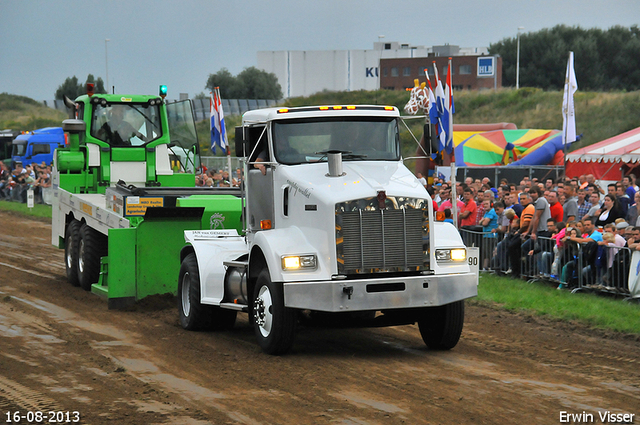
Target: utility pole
518	60
106	61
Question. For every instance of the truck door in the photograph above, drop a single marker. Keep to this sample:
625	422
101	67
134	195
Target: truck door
39	152
260	207
184	150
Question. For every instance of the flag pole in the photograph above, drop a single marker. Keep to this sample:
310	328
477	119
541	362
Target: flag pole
226	140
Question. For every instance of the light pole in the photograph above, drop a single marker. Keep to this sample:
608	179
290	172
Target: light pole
380	37
106	61
518	60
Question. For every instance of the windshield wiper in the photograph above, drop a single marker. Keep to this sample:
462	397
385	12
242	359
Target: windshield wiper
345	154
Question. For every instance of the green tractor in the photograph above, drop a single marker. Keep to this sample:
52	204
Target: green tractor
124	192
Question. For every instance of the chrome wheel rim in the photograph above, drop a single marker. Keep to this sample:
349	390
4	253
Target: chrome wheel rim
262	311
81	256
186	287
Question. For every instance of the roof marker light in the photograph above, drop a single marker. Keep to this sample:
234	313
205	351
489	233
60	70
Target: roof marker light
324	108
388	108
351	107
283	111
337	107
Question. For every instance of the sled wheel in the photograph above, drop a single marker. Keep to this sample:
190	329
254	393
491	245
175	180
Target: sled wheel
441	326
273	323
92	246
71	237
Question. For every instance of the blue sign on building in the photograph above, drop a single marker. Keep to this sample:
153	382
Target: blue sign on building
486	66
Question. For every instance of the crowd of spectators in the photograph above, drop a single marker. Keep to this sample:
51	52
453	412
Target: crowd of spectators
570	231
206	177
15	184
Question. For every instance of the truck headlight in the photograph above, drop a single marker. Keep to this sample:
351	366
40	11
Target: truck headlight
297	262
456	254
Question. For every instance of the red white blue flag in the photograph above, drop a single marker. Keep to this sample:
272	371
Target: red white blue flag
218	130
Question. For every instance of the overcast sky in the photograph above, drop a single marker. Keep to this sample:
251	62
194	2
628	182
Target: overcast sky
179	43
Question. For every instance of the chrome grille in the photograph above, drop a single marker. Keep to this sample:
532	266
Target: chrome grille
382	239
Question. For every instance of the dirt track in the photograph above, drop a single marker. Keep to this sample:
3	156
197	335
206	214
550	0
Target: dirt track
62	350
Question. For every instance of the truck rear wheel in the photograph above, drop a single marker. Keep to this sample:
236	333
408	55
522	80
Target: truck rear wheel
92	246
441	326
273	323
194	315
71	239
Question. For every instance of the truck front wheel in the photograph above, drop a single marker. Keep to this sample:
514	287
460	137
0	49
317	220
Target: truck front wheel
92	247
441	326
273	323
194	315
71	239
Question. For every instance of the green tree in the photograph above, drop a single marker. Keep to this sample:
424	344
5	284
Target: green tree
258	84
69	88
226	81
251	83
604	60
72	89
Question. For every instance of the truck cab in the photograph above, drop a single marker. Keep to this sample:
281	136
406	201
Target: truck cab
37	146
335	225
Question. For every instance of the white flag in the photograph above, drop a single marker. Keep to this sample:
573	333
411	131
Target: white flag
568	109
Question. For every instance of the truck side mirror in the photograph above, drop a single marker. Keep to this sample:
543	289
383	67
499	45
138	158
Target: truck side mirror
240	142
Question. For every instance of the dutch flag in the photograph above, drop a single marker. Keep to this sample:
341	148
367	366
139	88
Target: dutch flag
218	130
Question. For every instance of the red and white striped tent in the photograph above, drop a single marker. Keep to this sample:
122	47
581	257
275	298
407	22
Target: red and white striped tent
608	159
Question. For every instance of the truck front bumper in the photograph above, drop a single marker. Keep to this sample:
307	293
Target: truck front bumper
381	293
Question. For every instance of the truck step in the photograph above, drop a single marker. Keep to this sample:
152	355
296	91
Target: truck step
234	306
236	264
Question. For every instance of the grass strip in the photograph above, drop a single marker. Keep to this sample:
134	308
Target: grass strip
39	210
540	298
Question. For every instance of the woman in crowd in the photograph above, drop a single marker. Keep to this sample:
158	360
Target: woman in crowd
609	212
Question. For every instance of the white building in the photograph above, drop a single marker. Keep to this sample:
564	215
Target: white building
305	72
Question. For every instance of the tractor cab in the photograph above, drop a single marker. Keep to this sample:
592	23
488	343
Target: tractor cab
139	139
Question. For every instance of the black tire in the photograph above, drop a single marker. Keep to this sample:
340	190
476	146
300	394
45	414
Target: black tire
71	240
273	323
195	316
92	247
441	327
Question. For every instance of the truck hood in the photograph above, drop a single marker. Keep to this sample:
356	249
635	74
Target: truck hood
361	179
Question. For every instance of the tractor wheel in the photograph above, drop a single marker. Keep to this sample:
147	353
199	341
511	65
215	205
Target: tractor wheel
71	240
273	323
92	247
441	326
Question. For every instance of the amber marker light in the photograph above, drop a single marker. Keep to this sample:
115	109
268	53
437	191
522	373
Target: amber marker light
283	111
265	224
439	215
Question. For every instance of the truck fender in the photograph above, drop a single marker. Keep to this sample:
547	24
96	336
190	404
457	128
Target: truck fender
288	241
446	236
211	252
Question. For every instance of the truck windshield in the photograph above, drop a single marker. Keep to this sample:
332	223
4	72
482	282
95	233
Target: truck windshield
126	124
358	138
19	149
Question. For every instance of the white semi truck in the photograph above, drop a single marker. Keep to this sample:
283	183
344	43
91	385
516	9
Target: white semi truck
336	229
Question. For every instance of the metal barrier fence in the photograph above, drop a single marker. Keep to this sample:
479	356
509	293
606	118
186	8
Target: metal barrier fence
18	193
574	266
